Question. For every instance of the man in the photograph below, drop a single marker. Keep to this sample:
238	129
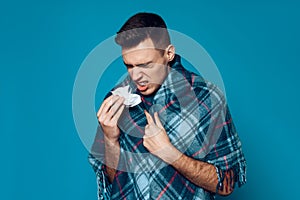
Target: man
179	142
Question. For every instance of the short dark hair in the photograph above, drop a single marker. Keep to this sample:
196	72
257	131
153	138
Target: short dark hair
141	26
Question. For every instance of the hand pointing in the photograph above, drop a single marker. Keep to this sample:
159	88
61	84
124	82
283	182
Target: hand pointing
157	141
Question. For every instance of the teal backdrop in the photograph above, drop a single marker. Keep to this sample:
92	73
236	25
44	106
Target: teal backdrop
255	45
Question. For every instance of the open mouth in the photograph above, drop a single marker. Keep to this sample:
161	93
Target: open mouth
142	86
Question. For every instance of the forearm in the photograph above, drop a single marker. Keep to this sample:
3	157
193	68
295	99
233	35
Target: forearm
198	172
112	155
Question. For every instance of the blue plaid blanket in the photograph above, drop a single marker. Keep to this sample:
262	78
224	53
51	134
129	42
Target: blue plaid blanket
198	122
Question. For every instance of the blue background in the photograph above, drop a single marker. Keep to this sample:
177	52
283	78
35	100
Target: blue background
255	45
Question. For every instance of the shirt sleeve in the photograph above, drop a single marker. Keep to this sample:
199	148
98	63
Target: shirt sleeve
226	152
223	148
103	185
96	158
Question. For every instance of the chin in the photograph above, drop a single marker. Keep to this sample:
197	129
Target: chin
149	91
145	93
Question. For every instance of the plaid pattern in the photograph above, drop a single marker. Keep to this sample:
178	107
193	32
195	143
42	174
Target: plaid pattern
197	120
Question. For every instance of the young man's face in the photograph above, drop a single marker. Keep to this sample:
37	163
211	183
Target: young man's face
147	66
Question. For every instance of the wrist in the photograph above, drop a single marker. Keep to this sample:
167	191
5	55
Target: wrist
111	141
170	154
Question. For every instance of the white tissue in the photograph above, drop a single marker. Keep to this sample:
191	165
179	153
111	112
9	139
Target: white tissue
130	99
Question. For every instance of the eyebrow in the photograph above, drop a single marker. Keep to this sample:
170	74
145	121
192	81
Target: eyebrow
138	65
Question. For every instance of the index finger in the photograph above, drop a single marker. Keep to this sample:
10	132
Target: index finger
104	102
149	118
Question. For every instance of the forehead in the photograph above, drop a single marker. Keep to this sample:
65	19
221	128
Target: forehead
142	53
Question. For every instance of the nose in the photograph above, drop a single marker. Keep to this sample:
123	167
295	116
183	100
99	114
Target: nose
135	73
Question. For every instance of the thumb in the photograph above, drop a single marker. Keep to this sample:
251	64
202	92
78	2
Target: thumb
149	117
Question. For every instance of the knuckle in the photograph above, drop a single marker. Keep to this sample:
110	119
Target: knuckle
115	98
109	114
121	99
100	119
112	110
145	143
106	123
106	100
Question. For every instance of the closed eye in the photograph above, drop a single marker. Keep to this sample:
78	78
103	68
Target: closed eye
142	65
145	65
128	66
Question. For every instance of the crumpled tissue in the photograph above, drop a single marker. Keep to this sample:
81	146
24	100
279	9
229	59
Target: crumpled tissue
130	99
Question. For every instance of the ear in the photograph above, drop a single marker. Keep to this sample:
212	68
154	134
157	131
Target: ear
170	52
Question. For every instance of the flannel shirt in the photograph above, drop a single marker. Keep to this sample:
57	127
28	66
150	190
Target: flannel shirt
197	120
